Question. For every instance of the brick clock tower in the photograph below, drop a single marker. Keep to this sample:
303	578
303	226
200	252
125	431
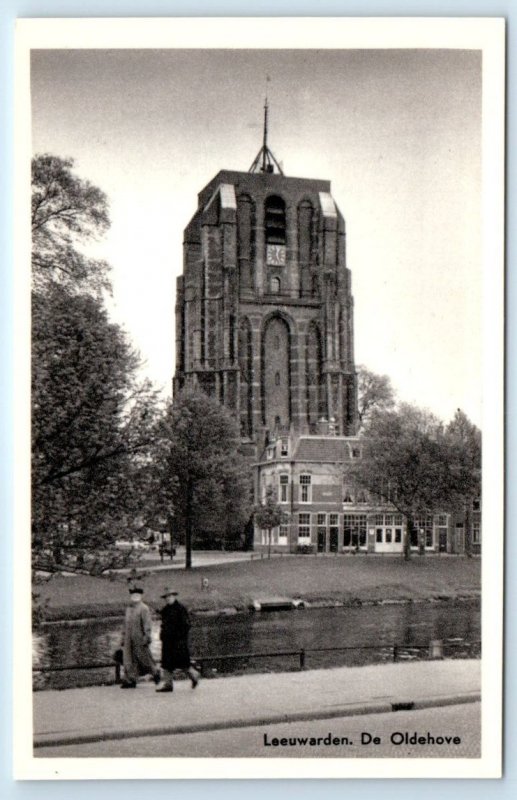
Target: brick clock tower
264	309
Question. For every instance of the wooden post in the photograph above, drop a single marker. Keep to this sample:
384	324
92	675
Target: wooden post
436	648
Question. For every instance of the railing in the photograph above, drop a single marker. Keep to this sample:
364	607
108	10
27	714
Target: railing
435	650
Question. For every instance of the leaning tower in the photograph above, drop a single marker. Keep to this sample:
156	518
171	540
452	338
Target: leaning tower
264	308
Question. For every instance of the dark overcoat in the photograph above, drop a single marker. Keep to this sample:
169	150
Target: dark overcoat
174	635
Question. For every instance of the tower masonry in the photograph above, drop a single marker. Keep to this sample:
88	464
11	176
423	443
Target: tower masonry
264	310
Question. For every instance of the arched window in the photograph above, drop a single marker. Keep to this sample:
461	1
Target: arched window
274	285
274	220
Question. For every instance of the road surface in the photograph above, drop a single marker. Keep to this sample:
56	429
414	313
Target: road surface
357	739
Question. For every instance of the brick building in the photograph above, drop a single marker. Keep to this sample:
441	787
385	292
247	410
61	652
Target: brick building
326	513
264	323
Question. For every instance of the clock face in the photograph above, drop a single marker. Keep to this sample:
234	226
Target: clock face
275	255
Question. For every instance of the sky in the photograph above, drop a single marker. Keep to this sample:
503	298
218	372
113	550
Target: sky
397	132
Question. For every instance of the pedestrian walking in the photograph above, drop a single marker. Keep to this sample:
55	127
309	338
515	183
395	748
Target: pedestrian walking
174	635
137	658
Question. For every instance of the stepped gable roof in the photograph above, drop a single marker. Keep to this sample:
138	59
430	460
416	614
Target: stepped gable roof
328	449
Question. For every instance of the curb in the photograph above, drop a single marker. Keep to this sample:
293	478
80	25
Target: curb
348	710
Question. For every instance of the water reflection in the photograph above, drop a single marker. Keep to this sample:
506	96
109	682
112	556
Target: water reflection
373	627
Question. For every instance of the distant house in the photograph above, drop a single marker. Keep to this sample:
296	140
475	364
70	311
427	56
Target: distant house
327	513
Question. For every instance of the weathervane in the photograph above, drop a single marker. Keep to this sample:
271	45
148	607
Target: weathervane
265	160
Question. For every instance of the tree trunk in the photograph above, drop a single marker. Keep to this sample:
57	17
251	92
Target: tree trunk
468	528
269	542
421	542
407	539
169	525
188	527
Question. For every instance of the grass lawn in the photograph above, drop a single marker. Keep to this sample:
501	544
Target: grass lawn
323	578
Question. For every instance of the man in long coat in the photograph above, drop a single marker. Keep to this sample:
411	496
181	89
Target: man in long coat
136	640
174	635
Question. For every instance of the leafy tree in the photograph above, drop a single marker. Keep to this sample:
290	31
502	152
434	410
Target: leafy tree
67	212
406	462
464	440
375	392
205	479
91	417
269	515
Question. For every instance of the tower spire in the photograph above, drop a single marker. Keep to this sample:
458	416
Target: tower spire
265	160
264	141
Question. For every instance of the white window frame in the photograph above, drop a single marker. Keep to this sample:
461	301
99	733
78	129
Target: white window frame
305	488
306	537
476	532
283	485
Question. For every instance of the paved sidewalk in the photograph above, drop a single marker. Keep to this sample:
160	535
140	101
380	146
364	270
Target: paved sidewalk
105	712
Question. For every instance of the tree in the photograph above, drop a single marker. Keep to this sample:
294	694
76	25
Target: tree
464	439
269	515
91	419
375	392
205	478
406	462
67	212
91	416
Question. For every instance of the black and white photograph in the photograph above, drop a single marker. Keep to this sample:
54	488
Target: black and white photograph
261	278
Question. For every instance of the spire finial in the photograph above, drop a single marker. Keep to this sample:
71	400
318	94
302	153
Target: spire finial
265	157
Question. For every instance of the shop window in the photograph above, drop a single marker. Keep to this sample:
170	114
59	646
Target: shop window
354	530
398	535
304	526
378	535
283	532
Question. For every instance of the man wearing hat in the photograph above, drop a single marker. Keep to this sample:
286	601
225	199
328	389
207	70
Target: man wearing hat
136	640
174	635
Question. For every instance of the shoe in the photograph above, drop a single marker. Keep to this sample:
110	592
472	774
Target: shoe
165	689
157	677
127	685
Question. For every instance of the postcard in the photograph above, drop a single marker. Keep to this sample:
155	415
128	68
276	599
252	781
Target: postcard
259	398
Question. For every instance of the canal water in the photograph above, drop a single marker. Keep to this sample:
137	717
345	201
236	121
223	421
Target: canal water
369	633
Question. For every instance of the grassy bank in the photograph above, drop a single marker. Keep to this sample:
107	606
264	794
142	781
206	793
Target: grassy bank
347	579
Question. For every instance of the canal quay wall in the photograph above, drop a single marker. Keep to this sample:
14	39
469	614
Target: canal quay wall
300	603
